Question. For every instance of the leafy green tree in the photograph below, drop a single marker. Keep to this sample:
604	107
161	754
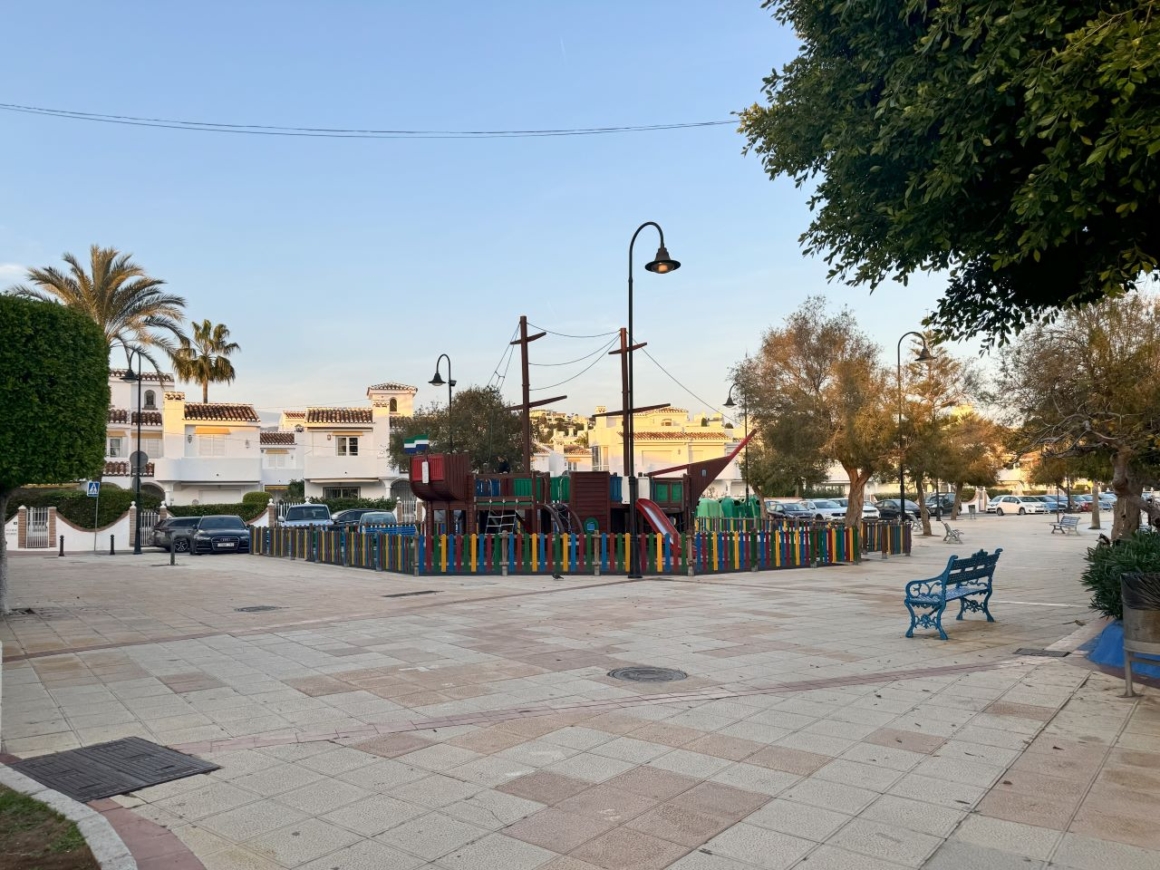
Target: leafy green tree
54	389
974	454
480	425
127	304
205	358
817	393
1085	385
1012	145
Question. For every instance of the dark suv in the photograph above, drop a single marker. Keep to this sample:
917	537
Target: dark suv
222	533
168	529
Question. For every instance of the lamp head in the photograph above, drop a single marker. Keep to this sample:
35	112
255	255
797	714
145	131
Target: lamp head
662	262
437	381
729	403
451	383
924	355
129	376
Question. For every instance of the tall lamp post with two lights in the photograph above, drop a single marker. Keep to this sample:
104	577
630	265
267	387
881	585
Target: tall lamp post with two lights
924	355
661	264
729	403
438	381
137	460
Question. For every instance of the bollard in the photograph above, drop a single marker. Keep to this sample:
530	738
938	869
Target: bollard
62	545
172	555
112	545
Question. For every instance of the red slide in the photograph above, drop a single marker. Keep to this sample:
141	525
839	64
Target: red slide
656	517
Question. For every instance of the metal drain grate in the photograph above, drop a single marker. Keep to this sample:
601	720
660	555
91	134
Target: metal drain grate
1049	653
107	769
257	608
409	594
647	675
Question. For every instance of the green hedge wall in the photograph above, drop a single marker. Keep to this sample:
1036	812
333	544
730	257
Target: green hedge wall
76	507
246	511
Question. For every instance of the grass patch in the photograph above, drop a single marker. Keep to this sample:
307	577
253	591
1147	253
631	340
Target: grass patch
34	837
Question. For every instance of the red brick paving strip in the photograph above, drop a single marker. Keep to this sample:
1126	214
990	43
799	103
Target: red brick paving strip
152	846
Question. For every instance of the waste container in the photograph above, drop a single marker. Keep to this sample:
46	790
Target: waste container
971	511
1140	592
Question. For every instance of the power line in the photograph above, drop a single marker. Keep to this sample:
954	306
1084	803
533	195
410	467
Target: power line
672	378
579	373
571	361
343	132
567	335
508	350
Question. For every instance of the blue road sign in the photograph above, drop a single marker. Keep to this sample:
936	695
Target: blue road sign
94	489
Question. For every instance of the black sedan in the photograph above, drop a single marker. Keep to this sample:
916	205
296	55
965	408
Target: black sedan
349	518
888	508
214	534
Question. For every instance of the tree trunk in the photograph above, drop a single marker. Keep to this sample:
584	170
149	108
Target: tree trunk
857	496
4	494
1128	487
204	392
958	505
923	513
1095	506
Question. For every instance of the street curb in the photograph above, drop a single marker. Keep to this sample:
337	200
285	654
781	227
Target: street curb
104	842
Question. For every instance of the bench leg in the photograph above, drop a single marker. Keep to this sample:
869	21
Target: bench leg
962	608
986	609
913	620
938	621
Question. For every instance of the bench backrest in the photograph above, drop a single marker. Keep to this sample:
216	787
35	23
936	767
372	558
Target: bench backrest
975	569
1069	521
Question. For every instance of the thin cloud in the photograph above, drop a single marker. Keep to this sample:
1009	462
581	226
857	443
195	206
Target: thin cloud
11	273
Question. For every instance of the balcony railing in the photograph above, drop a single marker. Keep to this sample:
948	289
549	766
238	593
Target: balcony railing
122	469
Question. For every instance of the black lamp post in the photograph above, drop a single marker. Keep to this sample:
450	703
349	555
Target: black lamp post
924	355
438	381
729	403
137	467
661	264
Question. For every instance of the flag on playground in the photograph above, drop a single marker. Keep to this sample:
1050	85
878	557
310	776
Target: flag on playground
417	444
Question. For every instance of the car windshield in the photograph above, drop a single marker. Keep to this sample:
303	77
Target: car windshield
795	507
826	503
219	523
376	518
308	512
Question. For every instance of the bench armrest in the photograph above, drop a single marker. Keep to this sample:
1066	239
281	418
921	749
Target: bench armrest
932	586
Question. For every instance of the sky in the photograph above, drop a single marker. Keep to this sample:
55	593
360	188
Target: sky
339	263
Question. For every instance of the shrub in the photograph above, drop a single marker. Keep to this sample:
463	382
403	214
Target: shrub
1141	552
246	511
76	507
257	497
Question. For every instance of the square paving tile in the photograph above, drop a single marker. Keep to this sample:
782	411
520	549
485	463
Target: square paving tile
383	775
302	841
694	764
720	801
487	741
631	749
497	851
557	830
855	773
339	760
1042	811
759	847
392	745
799	820
788	760
678	825
544	787
902	812
251	820
207	801
1089	853
624	849
432	836
957	855
367	855
276	780
651	782
322	797
374	814
492	809
1005	836
750	777
439	756
607	803
878	840
435	791
830	795
911	741
594	768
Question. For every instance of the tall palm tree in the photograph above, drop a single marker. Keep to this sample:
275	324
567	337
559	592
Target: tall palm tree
205	358
119	295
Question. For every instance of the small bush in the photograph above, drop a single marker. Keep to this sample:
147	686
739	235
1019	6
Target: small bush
258	497
1141	552
246	511
76	507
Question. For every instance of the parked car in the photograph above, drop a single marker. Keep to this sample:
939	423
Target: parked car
1016	504
795	510
349	517
869	512
372	520
163	532
218	533
888	509
1054	505
306	515
944	503
825	509
1108	501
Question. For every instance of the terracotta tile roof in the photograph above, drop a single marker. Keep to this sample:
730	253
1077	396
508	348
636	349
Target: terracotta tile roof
576	448
148	418
339	415
163	377
221	411
392	385
276	438
174	396
118	415
121	469
294	415
678	435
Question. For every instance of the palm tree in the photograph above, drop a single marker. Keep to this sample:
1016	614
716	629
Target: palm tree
119	295
205	359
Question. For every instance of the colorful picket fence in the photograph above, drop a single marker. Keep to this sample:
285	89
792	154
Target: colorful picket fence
700	552
887	538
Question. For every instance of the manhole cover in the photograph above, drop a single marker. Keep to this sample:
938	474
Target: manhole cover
647	675
112	768
409	594
257	608
1050	653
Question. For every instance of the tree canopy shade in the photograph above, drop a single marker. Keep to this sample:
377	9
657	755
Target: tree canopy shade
54	391
205	358
118	295
481	424
1013	145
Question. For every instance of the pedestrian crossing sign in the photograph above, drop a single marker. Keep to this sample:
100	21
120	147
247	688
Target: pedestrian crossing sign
94	488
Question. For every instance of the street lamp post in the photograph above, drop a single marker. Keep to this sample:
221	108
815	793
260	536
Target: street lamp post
661	264
729	403
437	381
134	461
924	355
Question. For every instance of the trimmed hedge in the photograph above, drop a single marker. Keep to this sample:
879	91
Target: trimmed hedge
257	497
76	507
1140	552
246	511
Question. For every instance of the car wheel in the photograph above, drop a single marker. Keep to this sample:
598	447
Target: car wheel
181	545
999	511
1022	512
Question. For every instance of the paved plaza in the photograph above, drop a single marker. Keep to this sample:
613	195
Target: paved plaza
384	721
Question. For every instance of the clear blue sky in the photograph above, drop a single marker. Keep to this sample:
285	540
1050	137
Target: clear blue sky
337	264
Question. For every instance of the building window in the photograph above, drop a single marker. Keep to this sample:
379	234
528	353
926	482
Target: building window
150	400
152	445
598	460
276	460
393	407
573	466
329	492
211	445
115	447
348	445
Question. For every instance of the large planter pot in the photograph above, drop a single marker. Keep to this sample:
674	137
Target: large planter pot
1140	592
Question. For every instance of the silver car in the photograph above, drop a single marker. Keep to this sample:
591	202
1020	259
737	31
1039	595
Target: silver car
869	512
825	509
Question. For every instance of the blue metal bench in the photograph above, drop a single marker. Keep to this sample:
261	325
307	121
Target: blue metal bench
961	580
1065	525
